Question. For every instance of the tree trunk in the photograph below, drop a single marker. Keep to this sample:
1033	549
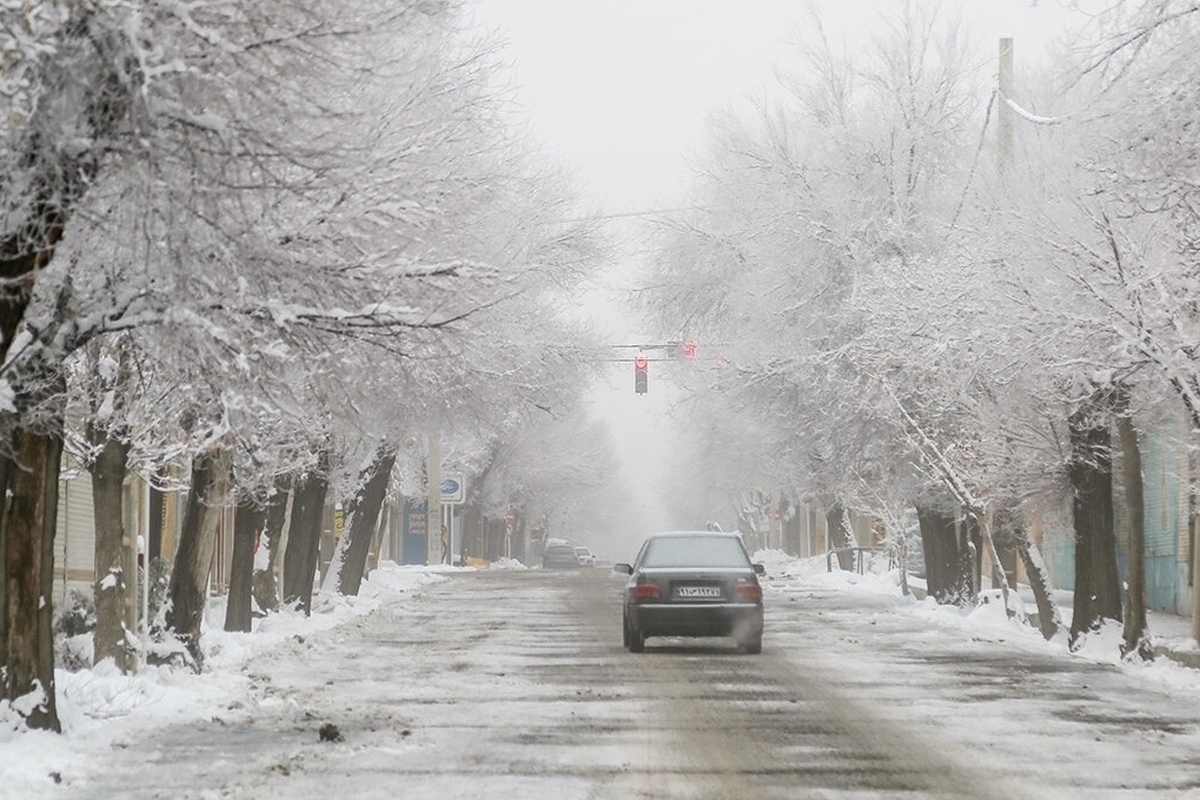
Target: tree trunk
263	585
1097	591
1039	581
30	480
109	440
111	639
973	523
789	526
193	556
840	535
248	522
350	561
947	565
1014	534
1136	634
990	554
29	471
304	538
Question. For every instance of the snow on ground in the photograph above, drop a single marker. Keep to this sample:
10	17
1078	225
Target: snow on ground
99	707
989	622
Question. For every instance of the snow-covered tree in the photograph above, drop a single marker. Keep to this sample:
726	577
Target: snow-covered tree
851	174
249	182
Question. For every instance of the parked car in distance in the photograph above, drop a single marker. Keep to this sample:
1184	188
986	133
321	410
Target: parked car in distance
559	556
584	556
692	583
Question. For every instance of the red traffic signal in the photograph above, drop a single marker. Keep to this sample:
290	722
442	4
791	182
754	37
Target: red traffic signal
689	349
639	374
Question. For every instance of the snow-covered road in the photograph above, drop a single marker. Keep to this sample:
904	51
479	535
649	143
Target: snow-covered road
513	684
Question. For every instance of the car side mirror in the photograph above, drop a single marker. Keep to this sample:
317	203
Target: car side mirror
759	569
624	569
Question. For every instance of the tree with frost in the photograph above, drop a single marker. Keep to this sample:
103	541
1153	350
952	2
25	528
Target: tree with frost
848	175
237	131
73	76
560	473
1105	236
515	357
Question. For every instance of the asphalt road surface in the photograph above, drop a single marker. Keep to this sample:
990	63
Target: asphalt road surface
514	684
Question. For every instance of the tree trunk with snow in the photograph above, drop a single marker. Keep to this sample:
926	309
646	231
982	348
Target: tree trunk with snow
197	542
837	526
1097	590
31	466
111	639
263	585
248	522
109	366
973	523
1035	571
42	199
304	538
947	571
990	554
1136	635
29	478
350	560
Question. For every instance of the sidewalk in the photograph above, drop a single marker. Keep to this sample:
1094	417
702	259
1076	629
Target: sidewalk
1172	636
1171	633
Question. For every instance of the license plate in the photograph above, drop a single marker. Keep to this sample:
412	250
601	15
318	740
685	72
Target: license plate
693	592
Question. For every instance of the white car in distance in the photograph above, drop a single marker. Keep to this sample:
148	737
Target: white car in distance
585	557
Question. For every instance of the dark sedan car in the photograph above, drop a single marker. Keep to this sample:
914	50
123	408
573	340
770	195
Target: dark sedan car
693	584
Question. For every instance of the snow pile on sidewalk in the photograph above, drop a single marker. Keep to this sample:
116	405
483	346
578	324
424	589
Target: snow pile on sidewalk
100	706
791	576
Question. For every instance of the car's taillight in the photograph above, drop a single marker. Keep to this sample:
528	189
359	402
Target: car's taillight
749	591
647	591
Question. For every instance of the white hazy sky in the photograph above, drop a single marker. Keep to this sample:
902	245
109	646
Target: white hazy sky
620	89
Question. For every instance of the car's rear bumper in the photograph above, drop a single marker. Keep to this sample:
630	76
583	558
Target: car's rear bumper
697	619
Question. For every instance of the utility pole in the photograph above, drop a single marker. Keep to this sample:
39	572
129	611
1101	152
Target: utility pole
433	500
1004	114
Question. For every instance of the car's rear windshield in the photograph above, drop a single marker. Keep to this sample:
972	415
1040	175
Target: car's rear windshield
695	551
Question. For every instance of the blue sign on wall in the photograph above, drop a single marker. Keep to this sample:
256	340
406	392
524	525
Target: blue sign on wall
413	551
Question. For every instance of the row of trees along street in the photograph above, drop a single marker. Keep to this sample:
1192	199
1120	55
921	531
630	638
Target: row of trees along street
946	295
268	247
271	247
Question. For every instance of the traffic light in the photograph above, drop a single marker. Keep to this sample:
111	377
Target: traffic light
689	349
639	374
